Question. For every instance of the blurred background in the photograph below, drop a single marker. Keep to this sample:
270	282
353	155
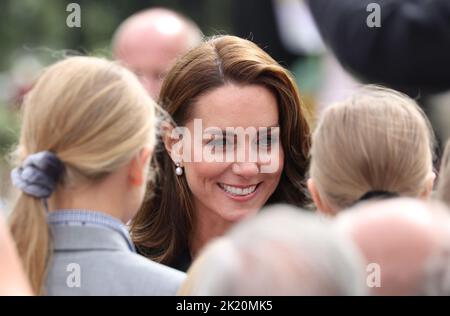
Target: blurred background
33	34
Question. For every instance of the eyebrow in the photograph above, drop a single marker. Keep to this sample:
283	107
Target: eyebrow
224	133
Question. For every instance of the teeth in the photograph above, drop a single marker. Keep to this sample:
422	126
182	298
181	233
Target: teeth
238	191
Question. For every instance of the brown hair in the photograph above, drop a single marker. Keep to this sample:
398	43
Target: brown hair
163	226
95	116
377	140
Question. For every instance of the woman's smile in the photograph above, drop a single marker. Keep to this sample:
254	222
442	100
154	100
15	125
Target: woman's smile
239	192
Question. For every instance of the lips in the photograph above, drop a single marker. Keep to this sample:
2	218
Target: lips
238	191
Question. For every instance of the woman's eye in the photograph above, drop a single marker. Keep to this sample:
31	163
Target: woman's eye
267	141
219	142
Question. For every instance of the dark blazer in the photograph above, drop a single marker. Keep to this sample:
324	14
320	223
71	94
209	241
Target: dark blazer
409	52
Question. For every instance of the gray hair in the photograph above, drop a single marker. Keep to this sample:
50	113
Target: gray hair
432	277
282	251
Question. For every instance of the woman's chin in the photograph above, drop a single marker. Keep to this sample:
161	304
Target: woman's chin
237	214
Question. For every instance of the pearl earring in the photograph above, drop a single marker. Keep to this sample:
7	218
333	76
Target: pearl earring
178	170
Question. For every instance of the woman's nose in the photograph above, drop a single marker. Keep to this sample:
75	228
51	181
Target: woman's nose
245	169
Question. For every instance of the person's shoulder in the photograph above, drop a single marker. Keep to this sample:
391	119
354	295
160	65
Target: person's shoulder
144	264
126	273
141	272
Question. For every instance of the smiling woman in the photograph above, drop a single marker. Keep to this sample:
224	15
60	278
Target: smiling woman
225	192
230	84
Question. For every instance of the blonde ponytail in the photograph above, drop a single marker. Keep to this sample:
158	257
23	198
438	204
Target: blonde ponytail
30	231
94	116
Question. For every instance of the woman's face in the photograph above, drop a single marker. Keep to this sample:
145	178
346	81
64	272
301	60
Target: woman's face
242	155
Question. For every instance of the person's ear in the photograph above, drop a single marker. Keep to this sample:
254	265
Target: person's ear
139	166
428	186
173	142
321	205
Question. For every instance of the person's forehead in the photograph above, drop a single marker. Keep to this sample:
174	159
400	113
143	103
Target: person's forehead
149	40
231	105
146	54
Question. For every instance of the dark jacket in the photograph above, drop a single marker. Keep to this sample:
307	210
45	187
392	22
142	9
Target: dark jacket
409	52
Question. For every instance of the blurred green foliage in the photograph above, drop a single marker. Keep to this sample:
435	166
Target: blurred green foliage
9	130
39	26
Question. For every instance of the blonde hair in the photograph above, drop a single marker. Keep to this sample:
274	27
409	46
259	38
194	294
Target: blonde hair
377	140
443	187
95	116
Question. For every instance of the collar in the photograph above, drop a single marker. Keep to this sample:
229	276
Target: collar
86	229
